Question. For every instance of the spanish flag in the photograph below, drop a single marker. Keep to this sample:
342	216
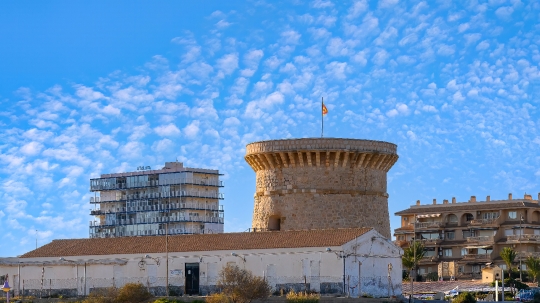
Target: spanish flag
324	110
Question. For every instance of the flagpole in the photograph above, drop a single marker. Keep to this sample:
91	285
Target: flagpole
322	117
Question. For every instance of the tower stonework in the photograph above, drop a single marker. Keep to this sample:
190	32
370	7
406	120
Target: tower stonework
321	183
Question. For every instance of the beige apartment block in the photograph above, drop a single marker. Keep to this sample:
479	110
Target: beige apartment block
321	183
460	238
147	202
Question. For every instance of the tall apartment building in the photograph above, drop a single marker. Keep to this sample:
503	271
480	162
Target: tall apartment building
171	200
461	238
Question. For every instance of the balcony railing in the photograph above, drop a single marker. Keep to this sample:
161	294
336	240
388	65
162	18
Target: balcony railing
483	221
431	241
157	220
433	258
526	254
478	257
159	195
480	239
524	238
159	207
193	181
429	224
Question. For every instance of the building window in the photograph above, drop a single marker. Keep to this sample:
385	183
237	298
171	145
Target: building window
502	266
508	232
461	269
401	238
448	252
463	252
469	217
512	215
468	233
429	252
491	215
451	219
450	235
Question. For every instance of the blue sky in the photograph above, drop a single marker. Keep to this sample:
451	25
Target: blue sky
100	87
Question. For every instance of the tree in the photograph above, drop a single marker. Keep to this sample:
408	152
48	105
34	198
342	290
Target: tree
465	297
533	267
411	255
241	286
508	255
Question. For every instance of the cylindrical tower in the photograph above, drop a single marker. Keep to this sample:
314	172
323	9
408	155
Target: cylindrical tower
320	183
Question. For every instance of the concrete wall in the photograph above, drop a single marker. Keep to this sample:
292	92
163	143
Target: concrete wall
298	269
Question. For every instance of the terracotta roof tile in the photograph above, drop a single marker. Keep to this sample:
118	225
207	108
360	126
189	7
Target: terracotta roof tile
205	242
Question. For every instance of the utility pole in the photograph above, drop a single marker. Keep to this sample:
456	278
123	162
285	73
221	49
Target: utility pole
520	251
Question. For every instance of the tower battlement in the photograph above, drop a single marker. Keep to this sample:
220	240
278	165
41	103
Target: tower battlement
319	183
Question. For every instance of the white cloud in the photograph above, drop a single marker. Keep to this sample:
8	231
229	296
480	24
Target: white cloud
167	130
228	63
192	129
482	45
32	148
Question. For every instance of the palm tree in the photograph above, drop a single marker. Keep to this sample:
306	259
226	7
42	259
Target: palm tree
508	255
411	255
533	267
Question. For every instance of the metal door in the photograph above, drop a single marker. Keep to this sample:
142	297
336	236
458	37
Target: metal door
192	278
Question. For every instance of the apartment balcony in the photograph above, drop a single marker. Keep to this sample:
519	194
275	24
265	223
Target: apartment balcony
483	222
525	238
189	181
162	196
422	225
157	220
401	243
429	242
481	240
525	254
428	259
163	208
477	257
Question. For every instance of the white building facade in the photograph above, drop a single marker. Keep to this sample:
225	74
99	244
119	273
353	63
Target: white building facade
352	262
171	200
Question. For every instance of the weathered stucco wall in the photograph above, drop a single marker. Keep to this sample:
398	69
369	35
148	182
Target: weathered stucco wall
321	183
284	268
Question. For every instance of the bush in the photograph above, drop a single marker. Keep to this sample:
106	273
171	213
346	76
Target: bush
241	286
465	297
302	297
133	293
218	298
107	295
164	300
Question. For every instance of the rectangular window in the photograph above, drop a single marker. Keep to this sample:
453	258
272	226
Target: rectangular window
468	233
401	238
508	232
450	235
463	252
461	268
490	215
512	215
537	231
448	252
429	252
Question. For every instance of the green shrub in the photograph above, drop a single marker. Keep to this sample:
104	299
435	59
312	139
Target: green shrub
165	300
302	297
465	297
218	298
133	293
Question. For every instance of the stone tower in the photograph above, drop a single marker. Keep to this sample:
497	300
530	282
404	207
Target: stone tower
319	183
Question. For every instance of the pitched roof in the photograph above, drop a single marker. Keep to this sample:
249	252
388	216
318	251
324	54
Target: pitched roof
467	206
203	242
